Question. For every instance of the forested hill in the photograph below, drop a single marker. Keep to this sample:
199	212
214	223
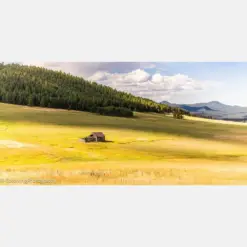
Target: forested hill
34	86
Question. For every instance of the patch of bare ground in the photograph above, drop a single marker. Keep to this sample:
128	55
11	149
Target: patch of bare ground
14	144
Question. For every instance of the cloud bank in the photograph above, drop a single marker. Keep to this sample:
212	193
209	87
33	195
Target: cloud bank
139	82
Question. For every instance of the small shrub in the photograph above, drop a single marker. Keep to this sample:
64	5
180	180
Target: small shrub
178	115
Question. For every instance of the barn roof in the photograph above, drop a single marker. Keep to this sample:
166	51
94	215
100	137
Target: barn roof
98	134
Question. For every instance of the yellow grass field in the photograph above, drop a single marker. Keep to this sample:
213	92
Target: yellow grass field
42	146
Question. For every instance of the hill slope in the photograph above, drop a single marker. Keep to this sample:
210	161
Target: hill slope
34	86
43	144
214	109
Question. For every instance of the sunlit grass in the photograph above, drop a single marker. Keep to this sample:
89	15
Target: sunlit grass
147	149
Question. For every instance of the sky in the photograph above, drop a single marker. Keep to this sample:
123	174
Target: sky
176	82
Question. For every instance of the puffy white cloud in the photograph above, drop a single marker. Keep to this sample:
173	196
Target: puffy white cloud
137	76
157	78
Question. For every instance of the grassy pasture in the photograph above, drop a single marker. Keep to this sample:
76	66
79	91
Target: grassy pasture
147	149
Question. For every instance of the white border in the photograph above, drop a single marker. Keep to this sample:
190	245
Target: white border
108	30
122	216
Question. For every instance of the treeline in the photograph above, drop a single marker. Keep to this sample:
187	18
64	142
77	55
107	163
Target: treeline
34	86
201	116
113	111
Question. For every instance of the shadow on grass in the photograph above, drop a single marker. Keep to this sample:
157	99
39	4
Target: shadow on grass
144	122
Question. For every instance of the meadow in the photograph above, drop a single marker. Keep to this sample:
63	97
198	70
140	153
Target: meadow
42	146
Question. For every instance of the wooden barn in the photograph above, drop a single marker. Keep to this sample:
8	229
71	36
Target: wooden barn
94	137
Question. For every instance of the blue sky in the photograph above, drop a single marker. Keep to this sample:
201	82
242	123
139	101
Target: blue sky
232	77
207	70
177	82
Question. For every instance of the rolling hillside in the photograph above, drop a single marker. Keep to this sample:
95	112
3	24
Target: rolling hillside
34	86
43	144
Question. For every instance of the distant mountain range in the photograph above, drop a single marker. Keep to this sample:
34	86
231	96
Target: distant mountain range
215	109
